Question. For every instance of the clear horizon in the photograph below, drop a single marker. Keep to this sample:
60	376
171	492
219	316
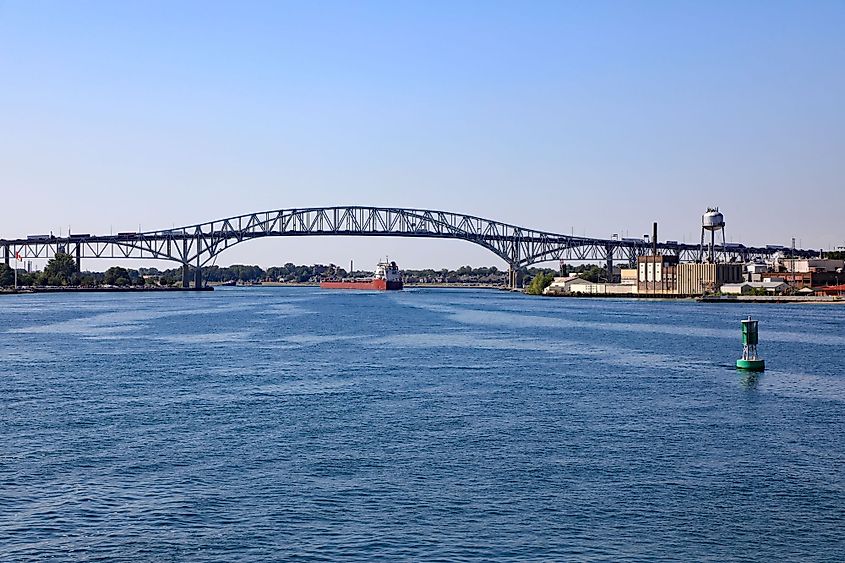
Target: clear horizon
592	119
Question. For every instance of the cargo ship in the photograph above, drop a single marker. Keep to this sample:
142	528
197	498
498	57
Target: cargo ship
387	277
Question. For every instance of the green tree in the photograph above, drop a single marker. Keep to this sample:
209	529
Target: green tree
114	274
60	270
540	282
594	274
25	278
7	275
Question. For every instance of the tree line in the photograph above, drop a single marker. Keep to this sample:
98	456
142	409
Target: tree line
61	270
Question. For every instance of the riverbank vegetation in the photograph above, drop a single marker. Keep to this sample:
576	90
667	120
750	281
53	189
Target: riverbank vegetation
540	282
61	271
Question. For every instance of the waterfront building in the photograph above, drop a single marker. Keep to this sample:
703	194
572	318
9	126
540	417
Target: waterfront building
812	279
747	288
657	274
755	271
564	284
591	288
697	278
574	285
807	265
628	276
834	290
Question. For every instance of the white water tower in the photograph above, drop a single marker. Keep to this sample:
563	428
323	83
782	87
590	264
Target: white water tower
712	221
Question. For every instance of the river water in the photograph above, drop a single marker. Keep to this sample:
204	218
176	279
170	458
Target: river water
263	424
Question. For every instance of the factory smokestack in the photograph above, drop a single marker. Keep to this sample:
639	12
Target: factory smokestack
654	239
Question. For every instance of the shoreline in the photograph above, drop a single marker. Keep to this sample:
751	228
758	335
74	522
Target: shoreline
772	299
734	299
822	299
47	289
407	285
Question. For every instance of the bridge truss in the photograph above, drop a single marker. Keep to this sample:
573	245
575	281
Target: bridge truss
198	245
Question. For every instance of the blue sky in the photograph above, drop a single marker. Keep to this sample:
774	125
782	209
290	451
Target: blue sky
593	117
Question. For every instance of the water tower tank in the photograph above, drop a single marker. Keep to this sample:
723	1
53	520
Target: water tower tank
712	219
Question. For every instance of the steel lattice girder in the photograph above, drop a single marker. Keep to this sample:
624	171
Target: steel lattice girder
200	244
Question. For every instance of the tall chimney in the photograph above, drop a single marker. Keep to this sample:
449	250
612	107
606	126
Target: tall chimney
654	239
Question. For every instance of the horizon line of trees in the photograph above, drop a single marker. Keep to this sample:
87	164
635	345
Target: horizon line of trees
61	270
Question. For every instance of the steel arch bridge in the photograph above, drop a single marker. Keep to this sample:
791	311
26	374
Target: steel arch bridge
196	246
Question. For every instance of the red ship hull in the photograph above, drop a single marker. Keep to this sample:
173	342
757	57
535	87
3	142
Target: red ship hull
376	284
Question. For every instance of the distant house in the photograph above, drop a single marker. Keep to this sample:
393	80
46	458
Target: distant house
565	285
747	288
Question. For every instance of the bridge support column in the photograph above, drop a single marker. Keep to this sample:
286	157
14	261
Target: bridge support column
514	277
6	254
197	278
186	276
78	257
609	264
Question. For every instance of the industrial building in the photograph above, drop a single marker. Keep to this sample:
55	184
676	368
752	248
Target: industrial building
628	276
807	272
808	265
695	279
663	274
657	274
749	288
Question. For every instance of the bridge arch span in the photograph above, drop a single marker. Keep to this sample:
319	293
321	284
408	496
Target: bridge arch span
198	245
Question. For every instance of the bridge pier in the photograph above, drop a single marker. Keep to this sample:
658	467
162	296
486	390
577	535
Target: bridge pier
6	254
197	278
186	276
514	277
78	257
609	264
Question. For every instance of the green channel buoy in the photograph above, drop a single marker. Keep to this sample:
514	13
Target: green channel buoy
749	360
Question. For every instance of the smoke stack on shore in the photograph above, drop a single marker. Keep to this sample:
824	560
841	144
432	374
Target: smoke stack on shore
654	239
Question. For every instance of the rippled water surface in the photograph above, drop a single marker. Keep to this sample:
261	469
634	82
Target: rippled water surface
263	424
